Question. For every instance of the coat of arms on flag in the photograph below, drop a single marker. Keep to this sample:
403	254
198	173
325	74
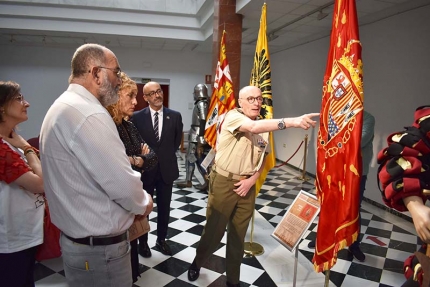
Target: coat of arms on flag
339	138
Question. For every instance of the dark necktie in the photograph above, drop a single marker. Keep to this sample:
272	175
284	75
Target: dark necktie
157	137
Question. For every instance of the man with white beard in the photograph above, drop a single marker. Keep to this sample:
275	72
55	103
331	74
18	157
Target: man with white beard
93	193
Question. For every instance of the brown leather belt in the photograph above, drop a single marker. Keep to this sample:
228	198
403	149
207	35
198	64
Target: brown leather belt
227	174
95	241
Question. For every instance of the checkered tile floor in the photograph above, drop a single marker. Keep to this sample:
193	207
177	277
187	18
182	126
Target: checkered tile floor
387	241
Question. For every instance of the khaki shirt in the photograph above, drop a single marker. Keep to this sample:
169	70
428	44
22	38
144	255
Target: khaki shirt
240	152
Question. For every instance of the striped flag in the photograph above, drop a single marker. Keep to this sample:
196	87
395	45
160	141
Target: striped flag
261	77
339	137
222	97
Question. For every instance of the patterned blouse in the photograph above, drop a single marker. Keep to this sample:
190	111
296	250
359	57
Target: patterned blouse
12	165
133	146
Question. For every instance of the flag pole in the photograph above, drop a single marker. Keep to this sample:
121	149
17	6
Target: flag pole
327	278
303	177
260	77
253	248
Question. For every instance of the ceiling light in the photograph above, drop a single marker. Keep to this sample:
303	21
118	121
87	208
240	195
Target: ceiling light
321	15
272	37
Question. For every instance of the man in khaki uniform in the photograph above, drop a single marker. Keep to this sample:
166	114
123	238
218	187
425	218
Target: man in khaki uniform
241	150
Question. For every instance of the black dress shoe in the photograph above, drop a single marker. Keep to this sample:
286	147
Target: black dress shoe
356	251
144	250
184	184
193	272
142	268
232	285
163	247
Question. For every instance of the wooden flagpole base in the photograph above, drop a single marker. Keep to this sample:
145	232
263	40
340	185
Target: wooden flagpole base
327	278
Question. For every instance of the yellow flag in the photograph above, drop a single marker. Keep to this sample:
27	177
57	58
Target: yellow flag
260	77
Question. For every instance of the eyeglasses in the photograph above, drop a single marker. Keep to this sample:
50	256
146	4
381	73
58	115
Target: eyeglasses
158	92
116	71
251	100
20	99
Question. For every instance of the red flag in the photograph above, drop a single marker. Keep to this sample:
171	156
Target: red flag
339	137
222	96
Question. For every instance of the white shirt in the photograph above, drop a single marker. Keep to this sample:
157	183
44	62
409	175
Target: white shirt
160	119
21	216
88	180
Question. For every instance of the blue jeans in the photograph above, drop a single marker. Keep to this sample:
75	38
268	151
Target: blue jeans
362	189
97	266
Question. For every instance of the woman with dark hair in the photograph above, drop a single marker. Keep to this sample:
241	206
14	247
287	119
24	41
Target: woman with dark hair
21	182
141	156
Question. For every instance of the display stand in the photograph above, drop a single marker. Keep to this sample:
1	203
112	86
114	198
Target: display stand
296	262
291	229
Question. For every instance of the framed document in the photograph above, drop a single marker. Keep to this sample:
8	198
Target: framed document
297	220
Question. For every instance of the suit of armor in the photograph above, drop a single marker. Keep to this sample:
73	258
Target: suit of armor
197	146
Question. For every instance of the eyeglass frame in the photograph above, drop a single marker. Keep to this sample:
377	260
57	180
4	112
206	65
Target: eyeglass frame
20	99
116	71
158	92
251	100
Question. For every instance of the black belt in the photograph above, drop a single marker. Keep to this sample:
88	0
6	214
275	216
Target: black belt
99	240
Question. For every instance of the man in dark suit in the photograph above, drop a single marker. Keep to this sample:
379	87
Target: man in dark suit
161	129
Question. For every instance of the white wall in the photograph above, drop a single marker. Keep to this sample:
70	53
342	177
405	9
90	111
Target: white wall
396	81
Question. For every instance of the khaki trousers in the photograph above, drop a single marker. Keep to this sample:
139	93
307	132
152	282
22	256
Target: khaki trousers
226	209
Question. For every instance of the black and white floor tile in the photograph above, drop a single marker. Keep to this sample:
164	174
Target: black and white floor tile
387	241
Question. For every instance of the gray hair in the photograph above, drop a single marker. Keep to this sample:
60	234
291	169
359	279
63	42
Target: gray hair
86	56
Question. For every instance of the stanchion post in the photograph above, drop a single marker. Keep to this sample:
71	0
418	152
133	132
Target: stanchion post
303	177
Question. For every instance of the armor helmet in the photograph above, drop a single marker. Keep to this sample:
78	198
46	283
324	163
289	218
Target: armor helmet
200	92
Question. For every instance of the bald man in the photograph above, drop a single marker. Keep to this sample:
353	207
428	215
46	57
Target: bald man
241	150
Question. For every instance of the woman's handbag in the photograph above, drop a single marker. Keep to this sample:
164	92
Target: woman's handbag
139	227
50	248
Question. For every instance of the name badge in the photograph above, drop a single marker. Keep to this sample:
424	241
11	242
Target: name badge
261	142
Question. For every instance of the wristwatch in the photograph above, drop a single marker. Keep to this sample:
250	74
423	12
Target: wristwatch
281	124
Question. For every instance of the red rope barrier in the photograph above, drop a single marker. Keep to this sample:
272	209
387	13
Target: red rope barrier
285	162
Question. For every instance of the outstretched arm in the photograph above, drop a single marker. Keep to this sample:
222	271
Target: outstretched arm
305	122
